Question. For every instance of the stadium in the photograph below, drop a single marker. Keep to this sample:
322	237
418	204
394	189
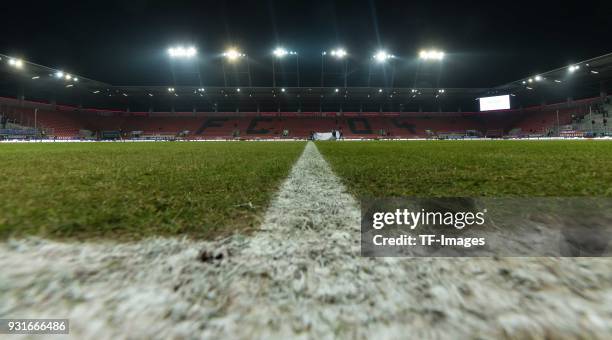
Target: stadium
306	170
45	103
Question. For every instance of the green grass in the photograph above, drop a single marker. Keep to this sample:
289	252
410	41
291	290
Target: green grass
127	191
473	168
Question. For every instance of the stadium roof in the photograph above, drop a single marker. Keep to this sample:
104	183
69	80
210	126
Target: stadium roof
585	72
26	79
120	51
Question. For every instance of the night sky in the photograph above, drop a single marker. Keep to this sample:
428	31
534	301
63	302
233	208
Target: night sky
124	42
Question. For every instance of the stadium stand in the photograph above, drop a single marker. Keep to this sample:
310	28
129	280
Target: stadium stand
65	122
594	122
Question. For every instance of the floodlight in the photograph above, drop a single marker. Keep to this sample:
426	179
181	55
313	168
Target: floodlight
441	91
68	77
16	63
283	89
574	68
232	54
280	52
238	90
379	90
182	52
538	78
382	56
59	74
75	79
530	80
171	89
431	55
338	53
337	90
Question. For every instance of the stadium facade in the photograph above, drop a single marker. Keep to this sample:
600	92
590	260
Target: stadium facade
41	102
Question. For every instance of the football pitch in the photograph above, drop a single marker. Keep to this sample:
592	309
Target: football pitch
126	191
523	168
167	240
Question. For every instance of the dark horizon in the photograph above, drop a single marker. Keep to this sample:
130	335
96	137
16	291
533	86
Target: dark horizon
124	43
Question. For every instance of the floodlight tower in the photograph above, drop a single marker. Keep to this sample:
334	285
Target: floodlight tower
431	55
16	63
430	58
339	54
233	56
183	54
381	58
281	53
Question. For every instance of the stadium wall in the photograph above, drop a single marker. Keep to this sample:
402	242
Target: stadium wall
70	122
